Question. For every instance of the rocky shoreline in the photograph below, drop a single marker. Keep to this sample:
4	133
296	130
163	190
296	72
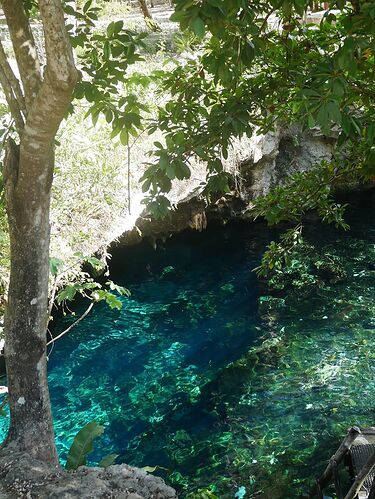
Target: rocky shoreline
21	476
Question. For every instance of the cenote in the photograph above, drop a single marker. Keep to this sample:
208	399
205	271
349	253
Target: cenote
222	382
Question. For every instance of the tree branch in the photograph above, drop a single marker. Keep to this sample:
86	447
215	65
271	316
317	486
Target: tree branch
85	314
11	100
12	79
24	48
60	76
61	70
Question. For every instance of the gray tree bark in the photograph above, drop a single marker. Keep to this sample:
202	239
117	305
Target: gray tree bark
28	172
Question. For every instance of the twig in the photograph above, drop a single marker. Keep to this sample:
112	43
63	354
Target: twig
52	297
11	100
72	325
53	344
6	135
4	403
24	48
129	194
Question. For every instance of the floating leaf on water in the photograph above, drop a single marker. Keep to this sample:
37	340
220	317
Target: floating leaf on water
149	469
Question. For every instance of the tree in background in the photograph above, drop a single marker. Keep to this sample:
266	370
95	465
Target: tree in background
144	9
38	101
261	65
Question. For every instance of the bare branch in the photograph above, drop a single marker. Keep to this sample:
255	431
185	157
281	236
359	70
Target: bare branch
12	91
60	61
60	76
85	314
12	101
52	296
12	79
24	48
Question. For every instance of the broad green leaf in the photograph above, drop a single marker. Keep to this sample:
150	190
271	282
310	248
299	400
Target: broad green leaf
68	293
124	137
95	262
83	444
334	112
199	27
108	460
87	6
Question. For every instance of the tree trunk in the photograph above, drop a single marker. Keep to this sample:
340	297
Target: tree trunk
27	173
26	318
145	10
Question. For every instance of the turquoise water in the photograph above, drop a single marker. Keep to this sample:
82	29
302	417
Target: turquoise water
219	379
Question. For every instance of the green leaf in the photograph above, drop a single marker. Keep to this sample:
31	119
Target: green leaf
119	289
83	444
149	469
95	263
108	460
107	50
111	29
108	116
322	117
111	300
118	27
216	3
370	133
124	137
87	6
146	185
198	27
67	294
334	112
310	121
248	53
177	16
55	265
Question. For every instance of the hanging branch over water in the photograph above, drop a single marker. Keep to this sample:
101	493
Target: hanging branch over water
85	314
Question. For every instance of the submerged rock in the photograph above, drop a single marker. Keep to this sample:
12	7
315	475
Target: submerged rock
22	476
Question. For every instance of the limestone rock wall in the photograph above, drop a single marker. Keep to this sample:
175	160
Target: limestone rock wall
23	477
266	161
257	164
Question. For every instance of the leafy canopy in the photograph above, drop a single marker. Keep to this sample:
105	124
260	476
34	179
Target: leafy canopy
258	63
255	64
254	70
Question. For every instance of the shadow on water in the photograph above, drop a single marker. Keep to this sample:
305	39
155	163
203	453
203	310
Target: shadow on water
211	374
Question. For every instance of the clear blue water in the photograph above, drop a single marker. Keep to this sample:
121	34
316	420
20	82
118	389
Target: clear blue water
193	310
218	378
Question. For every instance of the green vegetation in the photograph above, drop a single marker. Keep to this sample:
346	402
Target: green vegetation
282	70
149	119
83	445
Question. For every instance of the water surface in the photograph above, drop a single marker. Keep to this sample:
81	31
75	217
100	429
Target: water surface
222	381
